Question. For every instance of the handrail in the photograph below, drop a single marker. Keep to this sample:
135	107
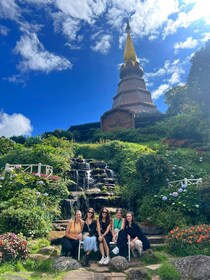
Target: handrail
48	168
185	182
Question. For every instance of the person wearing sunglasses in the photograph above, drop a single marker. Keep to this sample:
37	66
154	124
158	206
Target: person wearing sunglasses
104	233
89	235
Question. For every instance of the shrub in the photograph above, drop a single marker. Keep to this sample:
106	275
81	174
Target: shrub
168	272
27	213
153	170
12	247
189	241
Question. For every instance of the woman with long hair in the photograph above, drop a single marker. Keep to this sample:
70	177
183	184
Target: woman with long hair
89	235
133	234
105	236
70	242
118	223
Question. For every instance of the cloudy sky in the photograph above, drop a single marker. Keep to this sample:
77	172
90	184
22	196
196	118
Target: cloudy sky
59	59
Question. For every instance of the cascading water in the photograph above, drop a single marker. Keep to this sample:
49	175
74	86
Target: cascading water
93	184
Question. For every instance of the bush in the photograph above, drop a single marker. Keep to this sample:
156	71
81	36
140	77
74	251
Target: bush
153	170
189	241
26	213
12	247
168	272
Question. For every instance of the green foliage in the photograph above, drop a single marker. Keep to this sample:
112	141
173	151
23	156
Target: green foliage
12	247
36	244
14	181
28	212
191	126
139	135
39	265
168	272
174	207
6	145
52	151
198	78
189	241
178	100
153	169
205	197
151	257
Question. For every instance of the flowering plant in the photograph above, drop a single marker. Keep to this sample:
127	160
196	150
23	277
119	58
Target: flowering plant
189	241
12	247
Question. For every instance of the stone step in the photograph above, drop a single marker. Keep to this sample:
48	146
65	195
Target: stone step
155	239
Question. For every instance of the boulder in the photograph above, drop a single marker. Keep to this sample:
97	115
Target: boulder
118	263
84	275
49	250
137	274
39	257
65	264
193	267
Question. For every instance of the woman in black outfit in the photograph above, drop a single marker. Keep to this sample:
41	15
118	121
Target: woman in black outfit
134	234
104	233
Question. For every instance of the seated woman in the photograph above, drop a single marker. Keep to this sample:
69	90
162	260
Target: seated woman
118	223
134	234
89	235
70	242
105	236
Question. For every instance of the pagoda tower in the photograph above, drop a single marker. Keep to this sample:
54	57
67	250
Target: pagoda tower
132	98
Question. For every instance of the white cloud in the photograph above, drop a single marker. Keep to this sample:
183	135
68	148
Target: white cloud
14	125
4	30
102	45
150	15
189	43
160	91
206	37
17	79
36	58
67	25
87	10
190	12
171	74
143	60
9	9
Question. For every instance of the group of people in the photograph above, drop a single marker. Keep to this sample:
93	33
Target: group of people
100	232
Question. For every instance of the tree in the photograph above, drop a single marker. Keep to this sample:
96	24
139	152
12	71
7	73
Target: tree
178	100
198	79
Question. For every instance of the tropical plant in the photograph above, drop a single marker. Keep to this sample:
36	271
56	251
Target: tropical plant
189	241
12	247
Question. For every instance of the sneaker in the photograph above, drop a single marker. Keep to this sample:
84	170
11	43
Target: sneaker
107	260
116	250
102	260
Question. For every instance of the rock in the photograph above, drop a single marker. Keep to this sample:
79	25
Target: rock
8	276
39	257
84	275
137	274
66	263
193	267
49	250
118	264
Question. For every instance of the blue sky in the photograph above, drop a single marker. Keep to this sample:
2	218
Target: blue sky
59	59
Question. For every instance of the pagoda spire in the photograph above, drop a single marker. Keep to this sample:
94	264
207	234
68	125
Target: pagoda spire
129	52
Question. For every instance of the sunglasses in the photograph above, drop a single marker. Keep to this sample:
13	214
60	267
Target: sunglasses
104	212
90	212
